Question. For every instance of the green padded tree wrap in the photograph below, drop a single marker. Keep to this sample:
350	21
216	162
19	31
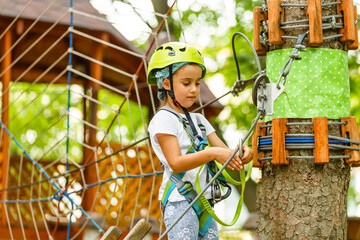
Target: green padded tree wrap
317	85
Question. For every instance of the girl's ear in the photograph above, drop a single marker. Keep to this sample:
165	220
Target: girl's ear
166	84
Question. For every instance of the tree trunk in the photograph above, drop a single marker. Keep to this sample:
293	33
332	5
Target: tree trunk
303	200
160	6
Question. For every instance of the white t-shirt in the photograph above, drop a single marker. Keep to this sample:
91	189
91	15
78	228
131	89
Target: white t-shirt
167	123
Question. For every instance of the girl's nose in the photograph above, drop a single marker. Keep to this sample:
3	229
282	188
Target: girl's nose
193	88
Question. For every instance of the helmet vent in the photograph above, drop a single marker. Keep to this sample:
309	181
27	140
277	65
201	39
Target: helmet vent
171	52
182	49
159	48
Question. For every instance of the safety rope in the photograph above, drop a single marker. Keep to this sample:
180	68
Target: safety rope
134	77
13	22
79	169
70	70
304	157
46	175
306	141
68	116
31	66
27	30
29	48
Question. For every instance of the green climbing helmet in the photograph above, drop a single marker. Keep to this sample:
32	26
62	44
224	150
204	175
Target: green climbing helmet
170	53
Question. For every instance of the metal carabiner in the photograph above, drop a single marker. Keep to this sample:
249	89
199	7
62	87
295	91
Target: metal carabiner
228	192
216	192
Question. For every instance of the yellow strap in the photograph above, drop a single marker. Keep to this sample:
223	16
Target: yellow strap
242	181
230	179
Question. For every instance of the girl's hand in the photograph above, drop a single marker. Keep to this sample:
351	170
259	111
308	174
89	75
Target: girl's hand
221	155
248	154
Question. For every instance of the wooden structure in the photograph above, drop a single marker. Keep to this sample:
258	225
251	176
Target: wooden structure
35	41
320	127
275	16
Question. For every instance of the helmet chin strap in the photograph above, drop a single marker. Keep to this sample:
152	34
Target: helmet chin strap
171	91
172	95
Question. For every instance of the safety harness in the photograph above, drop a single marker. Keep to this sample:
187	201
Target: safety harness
203	207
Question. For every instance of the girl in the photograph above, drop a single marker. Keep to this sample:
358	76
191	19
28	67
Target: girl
179	139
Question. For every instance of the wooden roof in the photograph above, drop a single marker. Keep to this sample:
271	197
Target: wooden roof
56	42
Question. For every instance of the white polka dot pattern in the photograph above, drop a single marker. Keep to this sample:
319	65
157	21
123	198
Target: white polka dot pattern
317	85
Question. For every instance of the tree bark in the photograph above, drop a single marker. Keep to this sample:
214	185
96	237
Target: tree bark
303	200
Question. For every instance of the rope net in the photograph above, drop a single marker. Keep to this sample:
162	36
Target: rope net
75	154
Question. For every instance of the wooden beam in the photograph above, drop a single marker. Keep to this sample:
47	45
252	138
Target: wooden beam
351	130
38	28
275	17
259	18
355	45
321	138
90	177
20	27
113	233
6	45
279	129
139	231
314	13
255	140
346	8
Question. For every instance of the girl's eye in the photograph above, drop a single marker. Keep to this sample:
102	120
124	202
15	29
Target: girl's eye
186	84
197	84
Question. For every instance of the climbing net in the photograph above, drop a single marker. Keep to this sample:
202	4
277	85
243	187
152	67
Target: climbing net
74	152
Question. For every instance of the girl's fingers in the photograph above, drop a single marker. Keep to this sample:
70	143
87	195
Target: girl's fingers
237	164
231	167
246	152
234	166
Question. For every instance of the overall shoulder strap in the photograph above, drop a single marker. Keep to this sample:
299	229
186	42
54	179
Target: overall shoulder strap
201	126
187	126
169	109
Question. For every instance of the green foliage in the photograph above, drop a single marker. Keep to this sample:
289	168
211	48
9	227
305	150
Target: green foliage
354	75
33	110
38	120
128	125
219	53
353	197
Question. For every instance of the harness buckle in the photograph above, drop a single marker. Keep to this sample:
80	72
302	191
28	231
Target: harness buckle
202	145
186	188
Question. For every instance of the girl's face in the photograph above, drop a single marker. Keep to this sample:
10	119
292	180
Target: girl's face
186	82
